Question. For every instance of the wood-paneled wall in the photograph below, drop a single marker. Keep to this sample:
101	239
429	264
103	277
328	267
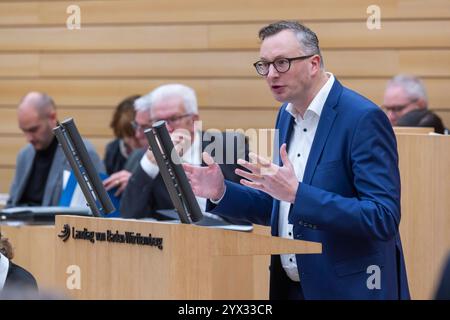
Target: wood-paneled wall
129	47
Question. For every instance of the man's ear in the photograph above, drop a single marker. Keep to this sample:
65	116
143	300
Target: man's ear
52	115
421	103
315	64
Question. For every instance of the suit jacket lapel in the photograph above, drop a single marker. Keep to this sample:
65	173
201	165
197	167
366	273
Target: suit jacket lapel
28	164
323	129
285	127
285	131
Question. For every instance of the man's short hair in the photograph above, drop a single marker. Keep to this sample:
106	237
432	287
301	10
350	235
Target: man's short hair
169	91
44	104
142	103
305	36
6	247
413	86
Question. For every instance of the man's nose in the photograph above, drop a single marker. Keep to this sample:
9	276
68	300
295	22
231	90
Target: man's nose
392	117
273	73
139	134
29	137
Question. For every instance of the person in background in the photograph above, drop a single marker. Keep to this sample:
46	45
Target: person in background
422	118
12	276
176	104
118	150
403	94
140	123
40	164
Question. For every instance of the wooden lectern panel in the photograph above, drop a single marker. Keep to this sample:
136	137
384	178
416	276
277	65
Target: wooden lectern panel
192	262
413	130
425	222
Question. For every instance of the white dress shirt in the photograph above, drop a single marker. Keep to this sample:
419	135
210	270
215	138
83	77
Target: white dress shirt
299	147
192	156
4	267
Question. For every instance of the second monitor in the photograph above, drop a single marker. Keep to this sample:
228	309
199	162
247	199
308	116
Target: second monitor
173	174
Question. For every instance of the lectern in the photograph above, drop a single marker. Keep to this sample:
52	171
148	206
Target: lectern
99	258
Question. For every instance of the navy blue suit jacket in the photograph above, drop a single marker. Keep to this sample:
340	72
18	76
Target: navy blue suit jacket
349	200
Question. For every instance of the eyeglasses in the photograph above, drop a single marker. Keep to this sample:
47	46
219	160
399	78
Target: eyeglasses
282	65
137	127
174	120
398	108
171	121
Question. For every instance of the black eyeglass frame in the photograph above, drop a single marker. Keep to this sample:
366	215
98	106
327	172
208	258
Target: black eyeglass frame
170	121
137	127
174	119
289	60
398	108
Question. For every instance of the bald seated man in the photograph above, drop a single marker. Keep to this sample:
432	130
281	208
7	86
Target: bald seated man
40	164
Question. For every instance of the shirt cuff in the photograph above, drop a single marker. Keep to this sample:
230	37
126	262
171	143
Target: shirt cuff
217	201
149	168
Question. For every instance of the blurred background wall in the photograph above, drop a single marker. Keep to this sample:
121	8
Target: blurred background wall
129	47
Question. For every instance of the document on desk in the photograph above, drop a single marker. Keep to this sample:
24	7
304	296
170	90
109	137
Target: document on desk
47	210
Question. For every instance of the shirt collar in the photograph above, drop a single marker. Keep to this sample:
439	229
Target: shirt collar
4	267
316	105
123	148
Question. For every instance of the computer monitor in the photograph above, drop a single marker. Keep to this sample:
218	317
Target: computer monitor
173	174
87	177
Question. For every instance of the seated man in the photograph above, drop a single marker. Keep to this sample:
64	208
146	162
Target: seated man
177	105
41	163
403	94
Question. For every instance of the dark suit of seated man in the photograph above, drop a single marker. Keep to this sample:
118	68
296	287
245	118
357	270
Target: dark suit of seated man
13	278
443	290
177	105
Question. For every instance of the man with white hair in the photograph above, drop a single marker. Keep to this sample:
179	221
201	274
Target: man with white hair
176	104
403	94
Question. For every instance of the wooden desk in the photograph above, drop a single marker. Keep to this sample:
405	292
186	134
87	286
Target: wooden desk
425	176
34	248
413	130
425	222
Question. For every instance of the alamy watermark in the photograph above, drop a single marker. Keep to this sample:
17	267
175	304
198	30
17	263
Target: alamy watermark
374	280
226	148
73	21
374	20
73	281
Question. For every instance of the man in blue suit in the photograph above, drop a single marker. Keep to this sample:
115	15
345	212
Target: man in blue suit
334	181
